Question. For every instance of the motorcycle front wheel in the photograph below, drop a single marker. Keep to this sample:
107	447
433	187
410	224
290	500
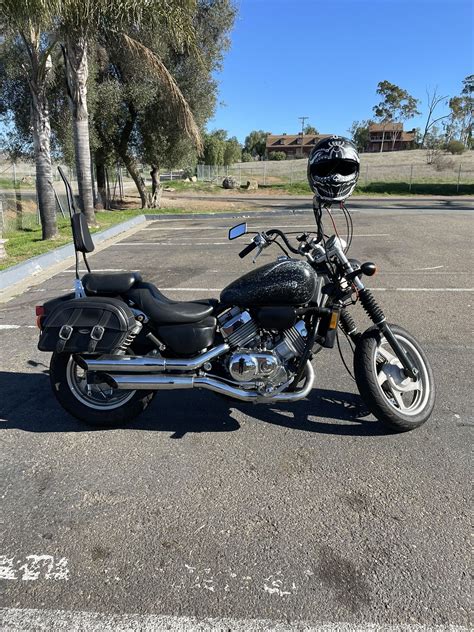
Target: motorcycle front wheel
95	404
395	399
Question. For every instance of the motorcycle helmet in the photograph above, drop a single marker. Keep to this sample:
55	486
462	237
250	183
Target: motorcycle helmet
333	169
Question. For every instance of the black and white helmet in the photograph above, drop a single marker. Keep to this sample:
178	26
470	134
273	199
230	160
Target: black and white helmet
333	169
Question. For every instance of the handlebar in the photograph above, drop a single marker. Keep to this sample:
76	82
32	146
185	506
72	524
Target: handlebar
247	250
276	231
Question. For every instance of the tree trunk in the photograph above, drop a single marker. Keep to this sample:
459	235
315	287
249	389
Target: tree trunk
44	170
383	140
156	188
394	138
128	160
132	169
102	199
75	55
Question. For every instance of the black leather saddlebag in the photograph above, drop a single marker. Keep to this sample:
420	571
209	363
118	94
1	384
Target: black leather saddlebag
87	325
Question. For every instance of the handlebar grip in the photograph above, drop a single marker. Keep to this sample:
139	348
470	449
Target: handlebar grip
243	253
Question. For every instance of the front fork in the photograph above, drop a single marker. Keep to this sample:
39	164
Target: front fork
377	316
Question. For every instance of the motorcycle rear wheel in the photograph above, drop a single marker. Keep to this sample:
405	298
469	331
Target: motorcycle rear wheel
97	404
398	401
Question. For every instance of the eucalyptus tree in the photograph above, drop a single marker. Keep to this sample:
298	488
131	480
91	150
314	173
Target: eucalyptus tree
26	27
81	23
461	114
397	105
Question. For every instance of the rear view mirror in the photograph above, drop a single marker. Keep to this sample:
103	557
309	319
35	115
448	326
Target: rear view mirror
238	231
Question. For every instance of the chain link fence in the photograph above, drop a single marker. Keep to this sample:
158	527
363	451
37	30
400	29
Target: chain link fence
408	176
392	173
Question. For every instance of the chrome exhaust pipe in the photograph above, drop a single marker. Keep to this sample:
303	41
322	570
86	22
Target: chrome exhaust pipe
149	364
170	382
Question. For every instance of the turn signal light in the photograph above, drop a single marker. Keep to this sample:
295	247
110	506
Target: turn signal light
368	268
334	320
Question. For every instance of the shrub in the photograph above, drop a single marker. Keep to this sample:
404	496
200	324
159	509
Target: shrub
455	147
247	156
277	155
442	162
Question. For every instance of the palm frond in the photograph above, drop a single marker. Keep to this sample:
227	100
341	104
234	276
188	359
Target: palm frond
185	116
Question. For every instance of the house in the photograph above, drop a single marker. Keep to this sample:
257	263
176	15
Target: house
294	146
392	136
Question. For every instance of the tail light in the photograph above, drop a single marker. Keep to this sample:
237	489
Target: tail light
39	310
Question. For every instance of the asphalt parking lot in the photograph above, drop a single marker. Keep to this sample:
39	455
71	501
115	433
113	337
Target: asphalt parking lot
305	513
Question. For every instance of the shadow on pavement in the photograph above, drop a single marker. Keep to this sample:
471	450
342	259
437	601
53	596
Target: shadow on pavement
28	404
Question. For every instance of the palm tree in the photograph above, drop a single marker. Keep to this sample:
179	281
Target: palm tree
81	22
27	23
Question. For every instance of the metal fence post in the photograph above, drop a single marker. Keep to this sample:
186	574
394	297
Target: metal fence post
411	177
265	173
459	177
3	252
366	174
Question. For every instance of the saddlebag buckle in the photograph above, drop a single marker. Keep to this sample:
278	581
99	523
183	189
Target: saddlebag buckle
97	332
65	332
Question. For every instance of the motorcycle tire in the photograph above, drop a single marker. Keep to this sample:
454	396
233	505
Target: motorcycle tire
398	401
95	405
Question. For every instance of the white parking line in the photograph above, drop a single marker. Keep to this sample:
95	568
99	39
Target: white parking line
194	243
16	619
169	243
258	226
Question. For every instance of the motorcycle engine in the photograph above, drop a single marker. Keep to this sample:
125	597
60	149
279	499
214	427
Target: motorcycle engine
260	356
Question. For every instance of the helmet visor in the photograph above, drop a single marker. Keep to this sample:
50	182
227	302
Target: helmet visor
336	165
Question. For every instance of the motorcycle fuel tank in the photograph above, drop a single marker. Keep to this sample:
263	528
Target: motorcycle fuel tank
288	282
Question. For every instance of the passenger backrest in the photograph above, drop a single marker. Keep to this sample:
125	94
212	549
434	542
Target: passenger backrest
80	230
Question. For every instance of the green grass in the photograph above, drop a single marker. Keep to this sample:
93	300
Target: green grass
7	183
27	243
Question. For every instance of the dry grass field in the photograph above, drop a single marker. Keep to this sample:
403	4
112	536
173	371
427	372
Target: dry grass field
396	166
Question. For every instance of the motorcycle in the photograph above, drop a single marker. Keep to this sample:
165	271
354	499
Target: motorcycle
117	339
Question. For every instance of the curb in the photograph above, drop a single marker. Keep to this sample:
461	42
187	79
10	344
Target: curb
36	265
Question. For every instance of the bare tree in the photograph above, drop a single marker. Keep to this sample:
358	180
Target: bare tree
433	100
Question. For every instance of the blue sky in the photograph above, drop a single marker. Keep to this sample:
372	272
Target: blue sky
324	58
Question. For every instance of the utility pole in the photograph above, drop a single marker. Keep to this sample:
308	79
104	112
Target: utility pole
302	119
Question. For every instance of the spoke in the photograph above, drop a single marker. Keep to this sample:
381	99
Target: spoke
381	377
399	399
101	392
411	385
387	355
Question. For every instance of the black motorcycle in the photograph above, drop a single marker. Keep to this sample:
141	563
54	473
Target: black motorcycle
118	339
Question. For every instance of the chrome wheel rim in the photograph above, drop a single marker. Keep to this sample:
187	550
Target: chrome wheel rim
98	396
402	393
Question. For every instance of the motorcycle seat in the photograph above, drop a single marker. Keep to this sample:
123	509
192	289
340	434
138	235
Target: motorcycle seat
109	283
162	310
